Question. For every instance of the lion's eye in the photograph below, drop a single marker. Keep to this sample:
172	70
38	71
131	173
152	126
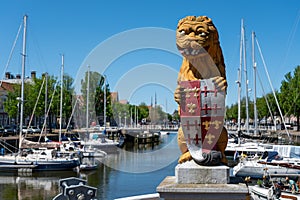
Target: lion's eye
202	34
182	32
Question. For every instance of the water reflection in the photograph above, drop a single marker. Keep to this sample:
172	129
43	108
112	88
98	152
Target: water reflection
110	181
146	159
118	178
42	185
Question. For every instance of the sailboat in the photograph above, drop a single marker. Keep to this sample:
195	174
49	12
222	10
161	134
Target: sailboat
236	147
286	160
93	139
241	145
41	159
256	131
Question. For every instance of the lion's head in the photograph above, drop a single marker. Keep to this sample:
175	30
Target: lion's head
197	38
195	35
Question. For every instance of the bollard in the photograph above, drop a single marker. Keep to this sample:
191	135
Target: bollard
75	189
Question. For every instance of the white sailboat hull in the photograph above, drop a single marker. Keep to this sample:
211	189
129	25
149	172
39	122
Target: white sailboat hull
38	160
256	170
258	193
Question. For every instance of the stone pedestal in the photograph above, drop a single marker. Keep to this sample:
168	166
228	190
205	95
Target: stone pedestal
192	181
168	189
191	172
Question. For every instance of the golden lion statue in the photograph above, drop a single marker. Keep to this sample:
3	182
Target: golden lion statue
197	40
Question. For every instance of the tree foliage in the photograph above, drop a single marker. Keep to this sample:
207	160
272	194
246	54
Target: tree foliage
11	104
34	97
288	98
94	84
290	93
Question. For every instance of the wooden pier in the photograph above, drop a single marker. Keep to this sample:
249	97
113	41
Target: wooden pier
147	139
141	138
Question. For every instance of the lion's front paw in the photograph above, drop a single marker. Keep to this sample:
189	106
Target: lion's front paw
220	82
185	157
177	94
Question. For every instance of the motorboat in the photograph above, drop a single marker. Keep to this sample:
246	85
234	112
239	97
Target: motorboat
98	140
275	164
279	187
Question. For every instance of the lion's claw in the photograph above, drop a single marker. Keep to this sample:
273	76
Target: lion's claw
220	82
185	157
177	94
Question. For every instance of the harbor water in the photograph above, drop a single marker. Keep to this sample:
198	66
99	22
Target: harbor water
131	171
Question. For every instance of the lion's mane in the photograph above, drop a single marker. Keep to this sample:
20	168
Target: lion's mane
199	34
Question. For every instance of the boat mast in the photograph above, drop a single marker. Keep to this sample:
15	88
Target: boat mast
46	102
104	102
246	77
135	123
239	82
61	95
87	98
73	110
22	80
131	122
254	82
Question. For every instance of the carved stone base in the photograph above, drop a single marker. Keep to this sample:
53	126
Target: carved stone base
192	173
192	181
168	189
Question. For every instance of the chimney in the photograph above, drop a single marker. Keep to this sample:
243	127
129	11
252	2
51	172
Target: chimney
7	75
33	74
18	76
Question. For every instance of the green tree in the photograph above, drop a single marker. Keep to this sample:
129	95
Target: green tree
290	92
11	104
231	112
175	116
262	108
143	110
53	100
119	112
170	117
67	97
99	101
68	91
39	86
96	87
31	94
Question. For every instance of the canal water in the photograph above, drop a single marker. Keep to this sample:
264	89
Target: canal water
131	171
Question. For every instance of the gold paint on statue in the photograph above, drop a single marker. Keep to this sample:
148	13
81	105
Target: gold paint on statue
198	41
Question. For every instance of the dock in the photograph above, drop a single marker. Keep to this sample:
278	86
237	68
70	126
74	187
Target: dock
18	166
141	137
147	139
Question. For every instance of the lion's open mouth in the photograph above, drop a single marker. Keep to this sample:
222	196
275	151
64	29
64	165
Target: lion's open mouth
191	51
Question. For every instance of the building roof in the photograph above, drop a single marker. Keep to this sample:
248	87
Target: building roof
123	101
5	86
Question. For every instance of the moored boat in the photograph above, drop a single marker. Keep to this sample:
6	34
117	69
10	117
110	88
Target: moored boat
38	160
34	159
99	141
275	164
281	188
258	192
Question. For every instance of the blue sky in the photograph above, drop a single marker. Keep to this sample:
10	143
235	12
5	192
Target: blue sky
77	28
